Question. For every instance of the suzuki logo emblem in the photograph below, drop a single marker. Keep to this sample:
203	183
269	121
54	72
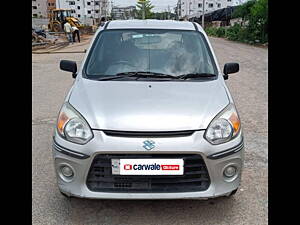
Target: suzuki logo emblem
148	145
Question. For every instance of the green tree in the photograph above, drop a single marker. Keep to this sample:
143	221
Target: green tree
255	12
144	7
244	11
259	19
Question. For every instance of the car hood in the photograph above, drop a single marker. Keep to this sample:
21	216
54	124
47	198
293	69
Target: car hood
148	106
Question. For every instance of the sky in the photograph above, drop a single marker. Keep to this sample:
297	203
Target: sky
160	5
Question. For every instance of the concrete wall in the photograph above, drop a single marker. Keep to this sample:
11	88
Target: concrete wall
36	22
51	4
39	8
84	10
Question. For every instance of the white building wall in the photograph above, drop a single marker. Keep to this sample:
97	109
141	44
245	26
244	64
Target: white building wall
39	8
86	10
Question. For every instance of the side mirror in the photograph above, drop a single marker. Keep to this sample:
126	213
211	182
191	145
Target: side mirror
69	66
230	68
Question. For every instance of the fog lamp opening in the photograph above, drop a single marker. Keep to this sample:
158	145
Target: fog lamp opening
230	171
67	171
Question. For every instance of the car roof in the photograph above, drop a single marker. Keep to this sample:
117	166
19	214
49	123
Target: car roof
152	24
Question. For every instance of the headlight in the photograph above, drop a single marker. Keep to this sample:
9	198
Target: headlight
224	127
72	126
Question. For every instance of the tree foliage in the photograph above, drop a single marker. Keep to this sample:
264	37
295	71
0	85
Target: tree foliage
254	27
258	22
244	11
144	5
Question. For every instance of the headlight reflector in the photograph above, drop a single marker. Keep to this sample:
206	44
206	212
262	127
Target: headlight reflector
224	127
219	130
72	126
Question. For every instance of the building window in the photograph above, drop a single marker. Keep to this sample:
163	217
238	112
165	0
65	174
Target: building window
49	4
219	5
200	5
72	3
78	15
88	3
96	3
228	0
34	7
210	5
52	4
73	11
96	11
78	7
89	11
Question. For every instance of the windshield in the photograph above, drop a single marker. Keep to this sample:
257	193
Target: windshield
67	13
172	52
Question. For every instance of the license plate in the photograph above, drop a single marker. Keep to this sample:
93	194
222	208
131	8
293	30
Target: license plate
147	166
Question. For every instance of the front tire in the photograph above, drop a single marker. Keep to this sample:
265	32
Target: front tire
57	28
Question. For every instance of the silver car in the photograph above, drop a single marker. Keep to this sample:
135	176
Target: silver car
148	117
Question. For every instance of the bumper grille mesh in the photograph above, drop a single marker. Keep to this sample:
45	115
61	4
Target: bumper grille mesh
195	178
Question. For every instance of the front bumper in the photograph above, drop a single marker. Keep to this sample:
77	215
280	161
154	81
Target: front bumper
192	144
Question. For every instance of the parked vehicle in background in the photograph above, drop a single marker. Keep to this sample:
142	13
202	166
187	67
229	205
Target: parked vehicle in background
57	18
149	116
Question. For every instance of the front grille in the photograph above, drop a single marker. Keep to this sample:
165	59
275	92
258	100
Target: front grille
101	179
149	134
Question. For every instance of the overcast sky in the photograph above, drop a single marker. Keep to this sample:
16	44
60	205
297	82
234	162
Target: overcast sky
160	5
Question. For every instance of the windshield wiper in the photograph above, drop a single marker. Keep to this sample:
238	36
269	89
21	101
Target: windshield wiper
141	74
195	75
119	75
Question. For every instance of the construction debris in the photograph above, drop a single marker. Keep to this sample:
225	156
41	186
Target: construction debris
40	39
53	43
56	40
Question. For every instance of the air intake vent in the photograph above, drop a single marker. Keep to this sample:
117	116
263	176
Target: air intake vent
195	178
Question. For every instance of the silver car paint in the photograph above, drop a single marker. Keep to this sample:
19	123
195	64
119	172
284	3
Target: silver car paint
195	143
134	106
113	105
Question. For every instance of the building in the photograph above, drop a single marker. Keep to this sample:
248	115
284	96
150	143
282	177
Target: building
87	11
191	8
39	8
123	13
51	4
